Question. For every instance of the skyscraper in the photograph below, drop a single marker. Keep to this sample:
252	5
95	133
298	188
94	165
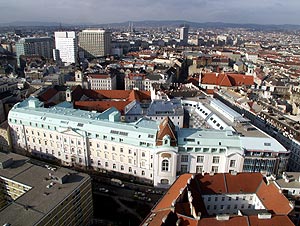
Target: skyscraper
35	46
95	42
184	34
66	44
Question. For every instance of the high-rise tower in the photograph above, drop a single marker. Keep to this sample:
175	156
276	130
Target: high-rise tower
95	42
66	44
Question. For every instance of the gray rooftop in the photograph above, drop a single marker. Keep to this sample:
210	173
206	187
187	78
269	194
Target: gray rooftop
32	206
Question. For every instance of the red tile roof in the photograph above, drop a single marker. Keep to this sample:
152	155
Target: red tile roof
243	182
166	127
223	183
274	221
226	80
233	221
273	200
48	94
173	192
99	76
101	106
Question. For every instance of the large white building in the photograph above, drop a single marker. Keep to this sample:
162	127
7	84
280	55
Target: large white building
141	81
152	151
102	81
65	46
95	42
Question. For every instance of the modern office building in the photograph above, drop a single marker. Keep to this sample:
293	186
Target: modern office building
95	42
66	46
153	151
32	193
227	199
42	46
183	35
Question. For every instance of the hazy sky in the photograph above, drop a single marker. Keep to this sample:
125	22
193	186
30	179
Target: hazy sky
106	11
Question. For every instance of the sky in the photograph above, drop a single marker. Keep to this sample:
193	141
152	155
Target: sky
110	11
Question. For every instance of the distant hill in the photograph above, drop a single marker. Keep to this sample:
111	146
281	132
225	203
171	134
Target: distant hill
31	24
157	23
176	23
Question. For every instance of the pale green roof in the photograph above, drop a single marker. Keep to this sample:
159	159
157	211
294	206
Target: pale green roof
32	113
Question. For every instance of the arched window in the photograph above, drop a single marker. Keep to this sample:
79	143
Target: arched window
165	165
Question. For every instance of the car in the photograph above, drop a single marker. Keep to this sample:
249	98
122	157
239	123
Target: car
104	190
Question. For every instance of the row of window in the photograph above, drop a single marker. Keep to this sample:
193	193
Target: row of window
229	198
200	159
222	207
198	149
122	168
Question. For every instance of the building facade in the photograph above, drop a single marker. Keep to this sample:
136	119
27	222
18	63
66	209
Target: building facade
102	82
66	46
155	152
95	43
141	81
42	46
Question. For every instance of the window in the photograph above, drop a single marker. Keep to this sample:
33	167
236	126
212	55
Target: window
214	169
199	169
200	159
184	168
106	164
232	163
143	173
129	169
165	165
122	167
143	154
184	158
216	199
216	159
209	199
164	181
228	207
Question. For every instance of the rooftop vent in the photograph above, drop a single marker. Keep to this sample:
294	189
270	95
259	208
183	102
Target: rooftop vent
264	216
233	173
222	217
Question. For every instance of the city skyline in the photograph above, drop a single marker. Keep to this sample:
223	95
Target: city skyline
91	12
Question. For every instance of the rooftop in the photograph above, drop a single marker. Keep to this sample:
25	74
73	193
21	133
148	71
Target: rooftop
176	209
39	200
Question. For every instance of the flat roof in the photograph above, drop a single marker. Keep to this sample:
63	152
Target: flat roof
32	206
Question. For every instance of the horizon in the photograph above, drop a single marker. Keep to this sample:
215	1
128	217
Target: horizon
263	12
55	23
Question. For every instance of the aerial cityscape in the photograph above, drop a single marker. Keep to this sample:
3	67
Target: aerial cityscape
150	113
